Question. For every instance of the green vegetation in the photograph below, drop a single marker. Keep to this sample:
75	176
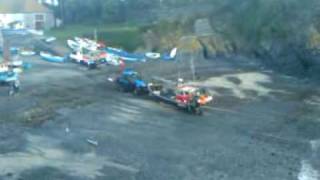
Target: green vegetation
258	24
78	11
164	35
125	36
259	27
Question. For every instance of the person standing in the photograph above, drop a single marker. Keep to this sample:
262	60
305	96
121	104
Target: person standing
122	65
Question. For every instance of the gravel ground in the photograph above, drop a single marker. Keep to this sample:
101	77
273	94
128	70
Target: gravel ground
262	125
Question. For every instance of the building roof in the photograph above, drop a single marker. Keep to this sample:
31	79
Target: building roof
22	6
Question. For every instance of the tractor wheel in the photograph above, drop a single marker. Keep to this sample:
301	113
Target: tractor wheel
12	90
198	111
190	109
194	110
137	91
120	89
92	66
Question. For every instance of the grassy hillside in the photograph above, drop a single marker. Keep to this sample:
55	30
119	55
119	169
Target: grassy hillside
120	35
284	34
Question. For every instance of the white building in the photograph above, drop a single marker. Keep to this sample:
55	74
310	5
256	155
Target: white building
29	13
50	2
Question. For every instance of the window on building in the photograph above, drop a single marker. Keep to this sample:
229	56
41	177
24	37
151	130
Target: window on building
39	21
39	17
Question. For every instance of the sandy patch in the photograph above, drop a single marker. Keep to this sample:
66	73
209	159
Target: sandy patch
307	172
239	84
314	101
315	145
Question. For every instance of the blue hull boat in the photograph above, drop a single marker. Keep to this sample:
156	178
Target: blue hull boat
125	55
51	58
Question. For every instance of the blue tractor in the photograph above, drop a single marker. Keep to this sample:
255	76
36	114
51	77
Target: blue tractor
11	80
131	81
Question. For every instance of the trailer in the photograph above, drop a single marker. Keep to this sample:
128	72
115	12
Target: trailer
187	97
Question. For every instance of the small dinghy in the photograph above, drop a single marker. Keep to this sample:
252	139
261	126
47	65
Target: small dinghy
152	55
50	39
125	55
51	58
170	56
16	66
27	53
73	45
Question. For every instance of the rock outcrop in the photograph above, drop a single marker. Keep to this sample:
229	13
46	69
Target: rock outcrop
202	40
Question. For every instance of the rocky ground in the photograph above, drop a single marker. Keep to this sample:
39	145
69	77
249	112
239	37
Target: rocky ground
262	125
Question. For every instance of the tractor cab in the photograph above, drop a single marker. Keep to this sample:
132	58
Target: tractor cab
131	81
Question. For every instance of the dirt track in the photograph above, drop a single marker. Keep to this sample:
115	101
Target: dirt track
262	126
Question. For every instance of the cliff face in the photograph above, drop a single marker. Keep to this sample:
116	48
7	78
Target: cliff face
282	34
190	37
314	39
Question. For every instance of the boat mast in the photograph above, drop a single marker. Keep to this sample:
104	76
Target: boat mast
6	51
1	46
